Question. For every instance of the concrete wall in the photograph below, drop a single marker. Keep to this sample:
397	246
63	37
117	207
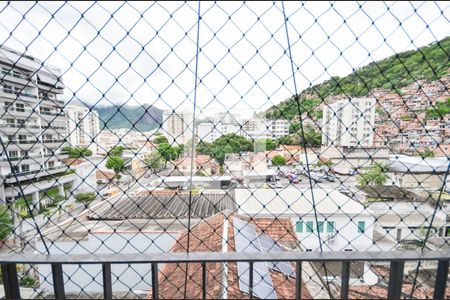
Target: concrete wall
346	234
89	277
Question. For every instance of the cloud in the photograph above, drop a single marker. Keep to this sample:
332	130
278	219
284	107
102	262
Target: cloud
144	53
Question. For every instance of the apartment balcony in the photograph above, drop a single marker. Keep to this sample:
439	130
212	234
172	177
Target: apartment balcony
51	115
33	174
52	101
40	185
33	158
17	95
17	111
55	128
202	283
14	128
55	142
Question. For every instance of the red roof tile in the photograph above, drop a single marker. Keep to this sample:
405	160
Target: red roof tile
207	236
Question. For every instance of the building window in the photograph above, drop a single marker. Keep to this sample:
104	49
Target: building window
299	226
320	226
361	226
309	226
330	226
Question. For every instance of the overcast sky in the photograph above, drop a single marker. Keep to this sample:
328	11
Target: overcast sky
150	48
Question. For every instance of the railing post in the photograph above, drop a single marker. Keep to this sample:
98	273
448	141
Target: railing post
395	279
203	280
298	280
441	279
250	280
345	278
107	283
58	281
10	281
155	292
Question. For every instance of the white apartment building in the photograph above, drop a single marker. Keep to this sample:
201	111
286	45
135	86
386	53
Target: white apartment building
33	127
83	125
178	126
278	128
349	122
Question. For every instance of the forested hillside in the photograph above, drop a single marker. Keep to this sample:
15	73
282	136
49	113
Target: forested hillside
430	63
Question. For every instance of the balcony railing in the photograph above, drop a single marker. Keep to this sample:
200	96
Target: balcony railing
19	109
54	127
23	142
52	100
18	93
397	262
18	174
54	141
20	126
42	112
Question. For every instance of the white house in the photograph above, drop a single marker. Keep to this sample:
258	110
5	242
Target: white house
337	221
401	214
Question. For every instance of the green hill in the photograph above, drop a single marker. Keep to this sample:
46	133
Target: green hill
430	62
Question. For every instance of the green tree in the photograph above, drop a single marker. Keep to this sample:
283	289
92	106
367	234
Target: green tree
278	160
439	110
293	128
159	139
116	151
6	225
77	152
116	163
236	142
168	152
155	161
205	148
178	150
377	175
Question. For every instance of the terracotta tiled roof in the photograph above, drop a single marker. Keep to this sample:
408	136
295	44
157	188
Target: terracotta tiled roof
73	161
279	229
380	292
207	236
104	175
199	159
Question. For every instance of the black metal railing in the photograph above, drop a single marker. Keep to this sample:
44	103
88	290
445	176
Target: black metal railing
396	260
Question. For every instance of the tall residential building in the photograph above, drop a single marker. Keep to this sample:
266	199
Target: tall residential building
178	126
83	125
33	127
349	122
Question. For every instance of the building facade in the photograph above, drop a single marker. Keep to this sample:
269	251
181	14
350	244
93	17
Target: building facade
33	127
83	125
349	122
178	126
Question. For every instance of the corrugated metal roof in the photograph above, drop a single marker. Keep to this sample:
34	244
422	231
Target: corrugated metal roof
165	206
412	164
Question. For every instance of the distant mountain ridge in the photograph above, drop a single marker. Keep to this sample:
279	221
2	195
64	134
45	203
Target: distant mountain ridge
143	118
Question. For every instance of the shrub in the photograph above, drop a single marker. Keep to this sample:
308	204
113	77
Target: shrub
85	197
5	222
278	160
27	281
